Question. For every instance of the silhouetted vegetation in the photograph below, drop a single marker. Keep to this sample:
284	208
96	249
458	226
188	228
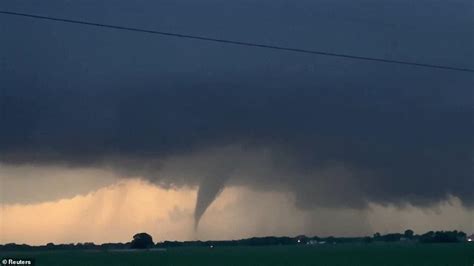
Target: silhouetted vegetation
145	241
443	237
409	234
142	241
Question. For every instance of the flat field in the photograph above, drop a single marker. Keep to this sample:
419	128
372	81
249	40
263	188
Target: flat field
327	255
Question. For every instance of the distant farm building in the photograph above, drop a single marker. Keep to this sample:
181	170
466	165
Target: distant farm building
315	242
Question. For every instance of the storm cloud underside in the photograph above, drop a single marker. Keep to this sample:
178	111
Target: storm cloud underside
336	133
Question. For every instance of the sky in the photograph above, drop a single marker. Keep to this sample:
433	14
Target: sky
115	132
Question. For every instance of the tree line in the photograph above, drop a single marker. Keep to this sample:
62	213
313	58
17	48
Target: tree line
145	241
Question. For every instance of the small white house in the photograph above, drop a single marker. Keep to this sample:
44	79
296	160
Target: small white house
315	242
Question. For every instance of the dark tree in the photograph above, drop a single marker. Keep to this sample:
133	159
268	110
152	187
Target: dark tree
142	241
409	234
377	236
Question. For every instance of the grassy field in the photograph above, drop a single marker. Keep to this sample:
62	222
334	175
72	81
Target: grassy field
331	255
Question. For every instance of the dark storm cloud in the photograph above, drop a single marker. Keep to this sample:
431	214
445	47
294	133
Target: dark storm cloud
337	132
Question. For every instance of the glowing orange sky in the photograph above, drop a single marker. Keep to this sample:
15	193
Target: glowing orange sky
116	212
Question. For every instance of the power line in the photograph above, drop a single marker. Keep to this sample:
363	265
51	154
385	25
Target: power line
241	43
